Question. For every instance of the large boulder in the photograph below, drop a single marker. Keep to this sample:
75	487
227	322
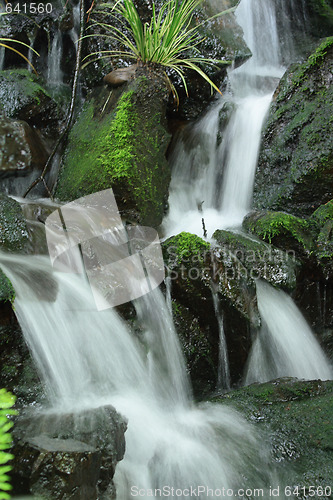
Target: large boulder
295	169
72	455
119	140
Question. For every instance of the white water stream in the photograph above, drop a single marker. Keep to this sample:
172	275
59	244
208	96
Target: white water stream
212	181
89	359
285	345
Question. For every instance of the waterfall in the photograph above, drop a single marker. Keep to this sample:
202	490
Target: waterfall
285	345
54	71
89	358
223	375
215	181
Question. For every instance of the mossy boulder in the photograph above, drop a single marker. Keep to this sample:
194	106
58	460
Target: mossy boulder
119	140
282	230
295	418
295	169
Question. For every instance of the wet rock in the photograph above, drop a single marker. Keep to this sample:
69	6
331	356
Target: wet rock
68	455
21	149
282	230
22	96
295	169
295	418
321	15
58	468
259	259
197	271
199	347
120	141
17	369
13	229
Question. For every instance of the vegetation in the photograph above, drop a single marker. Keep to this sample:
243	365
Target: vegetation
166	41
7	400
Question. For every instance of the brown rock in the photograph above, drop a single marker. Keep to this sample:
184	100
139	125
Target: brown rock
120	76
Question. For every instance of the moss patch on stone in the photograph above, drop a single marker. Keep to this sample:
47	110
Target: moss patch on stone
7	292
186	246
123	148
270	225
20	88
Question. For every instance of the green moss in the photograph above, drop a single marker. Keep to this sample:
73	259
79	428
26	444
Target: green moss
7	292
315	59
273	224
187	245
323	213
122	149
20	88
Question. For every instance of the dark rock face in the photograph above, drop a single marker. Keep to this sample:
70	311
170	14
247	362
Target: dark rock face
120	141
296	419
295	170
68	456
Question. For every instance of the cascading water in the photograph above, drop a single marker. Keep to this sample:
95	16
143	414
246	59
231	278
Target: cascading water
285	345
89	359
214	181
54	71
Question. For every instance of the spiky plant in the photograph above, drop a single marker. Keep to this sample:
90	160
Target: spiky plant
7	400
169	40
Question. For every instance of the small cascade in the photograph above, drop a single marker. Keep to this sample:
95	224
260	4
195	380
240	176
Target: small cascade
74	32
285	345
223	375
89	359
213	178
32	38
54	71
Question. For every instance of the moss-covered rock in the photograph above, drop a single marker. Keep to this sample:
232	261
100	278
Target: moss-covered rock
295	169
119	140
282	230
22	96
296	419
